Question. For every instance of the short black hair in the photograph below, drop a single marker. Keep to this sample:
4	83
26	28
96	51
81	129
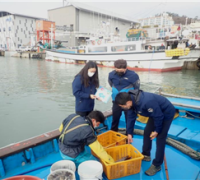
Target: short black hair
120	64
122	98
97	115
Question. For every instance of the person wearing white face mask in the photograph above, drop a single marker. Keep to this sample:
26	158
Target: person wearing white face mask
90	74
84	88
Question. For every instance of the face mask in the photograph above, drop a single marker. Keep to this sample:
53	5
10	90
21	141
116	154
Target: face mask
120	73
90	74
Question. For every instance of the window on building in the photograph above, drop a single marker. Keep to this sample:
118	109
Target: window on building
4	29
0	29
9	28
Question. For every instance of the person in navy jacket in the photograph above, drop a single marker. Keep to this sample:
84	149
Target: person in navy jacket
84	88
160	112
121	80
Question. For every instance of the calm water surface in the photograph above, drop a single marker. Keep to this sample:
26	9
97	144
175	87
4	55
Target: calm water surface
36	95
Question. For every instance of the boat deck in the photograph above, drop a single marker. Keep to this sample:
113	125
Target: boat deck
37	160
41	168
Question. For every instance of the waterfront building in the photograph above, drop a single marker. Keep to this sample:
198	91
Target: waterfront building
158	26
163	20
16	30
85	21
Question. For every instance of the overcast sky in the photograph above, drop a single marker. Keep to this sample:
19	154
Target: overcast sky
129	8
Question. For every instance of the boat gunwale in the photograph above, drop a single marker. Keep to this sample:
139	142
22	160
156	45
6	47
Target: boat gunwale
114	53
40	139
178	96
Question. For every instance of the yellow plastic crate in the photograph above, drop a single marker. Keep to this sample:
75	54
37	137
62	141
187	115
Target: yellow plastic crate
123	168
110	139
142	119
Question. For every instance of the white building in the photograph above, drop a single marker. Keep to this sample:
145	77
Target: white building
158	26
158	21
86	20
16	30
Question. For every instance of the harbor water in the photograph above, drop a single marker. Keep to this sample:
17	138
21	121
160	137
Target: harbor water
36	95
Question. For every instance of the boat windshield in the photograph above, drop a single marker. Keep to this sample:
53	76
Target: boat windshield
124	48
97	49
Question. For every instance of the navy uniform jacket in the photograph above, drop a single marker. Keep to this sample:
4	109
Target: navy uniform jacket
130	80
75	141
83	101
150	105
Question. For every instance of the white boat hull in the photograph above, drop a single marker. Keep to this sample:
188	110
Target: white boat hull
142	61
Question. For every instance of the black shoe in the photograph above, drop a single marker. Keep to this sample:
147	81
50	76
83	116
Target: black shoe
152	170
146	158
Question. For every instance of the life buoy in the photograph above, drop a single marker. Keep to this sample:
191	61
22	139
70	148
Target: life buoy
99	42
93	42
198	64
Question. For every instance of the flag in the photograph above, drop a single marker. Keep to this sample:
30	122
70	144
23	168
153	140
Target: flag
179	28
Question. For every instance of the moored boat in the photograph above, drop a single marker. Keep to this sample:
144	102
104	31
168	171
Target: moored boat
142	54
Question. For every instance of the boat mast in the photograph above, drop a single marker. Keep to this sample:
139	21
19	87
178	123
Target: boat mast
67	3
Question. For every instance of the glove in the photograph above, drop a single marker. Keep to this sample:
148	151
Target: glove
99	150
61	128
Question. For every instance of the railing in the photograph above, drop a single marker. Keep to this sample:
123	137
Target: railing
139	39
142	39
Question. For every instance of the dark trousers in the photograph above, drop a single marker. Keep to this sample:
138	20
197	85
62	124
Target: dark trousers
83	114
160	140
117	112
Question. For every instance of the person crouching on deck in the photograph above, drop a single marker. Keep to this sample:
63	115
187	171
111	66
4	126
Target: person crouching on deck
78	132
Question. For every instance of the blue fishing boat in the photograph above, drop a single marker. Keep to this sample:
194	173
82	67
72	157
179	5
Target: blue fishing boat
35	156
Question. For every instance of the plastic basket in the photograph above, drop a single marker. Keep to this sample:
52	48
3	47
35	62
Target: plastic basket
111	139
142	119
123	168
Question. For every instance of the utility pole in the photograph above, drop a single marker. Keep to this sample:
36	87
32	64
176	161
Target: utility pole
186	21
64	3
51	36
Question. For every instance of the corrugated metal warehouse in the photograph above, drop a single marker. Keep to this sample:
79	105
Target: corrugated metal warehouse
85	20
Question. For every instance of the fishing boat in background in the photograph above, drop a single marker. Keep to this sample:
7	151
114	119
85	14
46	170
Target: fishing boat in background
141	52
35	156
